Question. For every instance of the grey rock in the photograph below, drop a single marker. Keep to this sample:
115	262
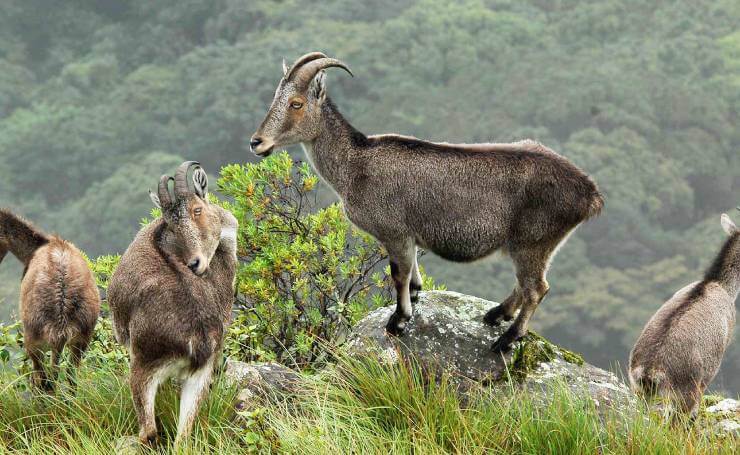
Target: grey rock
728	427
447	330
257	381
728	406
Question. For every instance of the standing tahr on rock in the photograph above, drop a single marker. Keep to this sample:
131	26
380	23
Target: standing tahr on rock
680	349
461	201
171	297
59	301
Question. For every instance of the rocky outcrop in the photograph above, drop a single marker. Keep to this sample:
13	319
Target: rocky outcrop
448	331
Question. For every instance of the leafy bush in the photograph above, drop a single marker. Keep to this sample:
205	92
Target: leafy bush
103	268
11	340
307	276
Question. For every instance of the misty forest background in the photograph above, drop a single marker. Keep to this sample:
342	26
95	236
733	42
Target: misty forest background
99	98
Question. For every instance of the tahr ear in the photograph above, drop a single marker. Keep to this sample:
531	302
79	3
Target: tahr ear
285	68
155	199
727	224
318	86
200	182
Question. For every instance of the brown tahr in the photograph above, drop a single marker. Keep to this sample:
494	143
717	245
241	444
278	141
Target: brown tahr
460	201
59	302
171	297
680	349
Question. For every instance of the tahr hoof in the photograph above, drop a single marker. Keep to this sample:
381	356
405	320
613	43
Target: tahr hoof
396	324
495	316
504	342
47	385
149	440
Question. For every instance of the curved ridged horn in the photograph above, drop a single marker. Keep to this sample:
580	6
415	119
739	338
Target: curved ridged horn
302	61
181	182
163	191
306	73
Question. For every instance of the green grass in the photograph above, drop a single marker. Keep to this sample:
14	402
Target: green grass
101	412
356	406
365	407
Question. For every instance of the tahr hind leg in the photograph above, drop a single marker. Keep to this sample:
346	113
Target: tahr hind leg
531	266
37	352
77	348
506	310
144	384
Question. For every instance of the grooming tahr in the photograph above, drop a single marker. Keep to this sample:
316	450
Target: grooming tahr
171	297
59	302
462	202
680	349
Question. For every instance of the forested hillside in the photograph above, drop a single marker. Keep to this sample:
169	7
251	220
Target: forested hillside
99	98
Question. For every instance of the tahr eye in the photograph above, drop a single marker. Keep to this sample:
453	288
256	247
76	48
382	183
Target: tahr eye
197	211
296	105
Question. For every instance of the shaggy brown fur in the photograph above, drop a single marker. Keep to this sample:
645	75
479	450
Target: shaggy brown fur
171	297
680	349
59	302
460	201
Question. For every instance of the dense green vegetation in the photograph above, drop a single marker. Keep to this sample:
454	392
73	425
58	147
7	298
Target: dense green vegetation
98	98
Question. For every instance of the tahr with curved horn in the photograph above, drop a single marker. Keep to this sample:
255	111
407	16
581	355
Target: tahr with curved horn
171	297
460	201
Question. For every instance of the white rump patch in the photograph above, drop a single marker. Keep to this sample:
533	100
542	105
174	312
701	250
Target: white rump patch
556	250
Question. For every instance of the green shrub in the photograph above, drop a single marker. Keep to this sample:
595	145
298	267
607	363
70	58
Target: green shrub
307	274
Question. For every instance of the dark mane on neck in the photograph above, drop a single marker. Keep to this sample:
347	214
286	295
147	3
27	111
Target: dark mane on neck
336	122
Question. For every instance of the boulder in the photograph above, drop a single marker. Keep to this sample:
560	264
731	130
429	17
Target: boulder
259	380
447	330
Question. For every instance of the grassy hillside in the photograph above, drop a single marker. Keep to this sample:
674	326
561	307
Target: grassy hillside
355	407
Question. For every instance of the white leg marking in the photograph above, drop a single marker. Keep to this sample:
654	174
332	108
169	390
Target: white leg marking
409	259
416	275
406	300
194	389
150	394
